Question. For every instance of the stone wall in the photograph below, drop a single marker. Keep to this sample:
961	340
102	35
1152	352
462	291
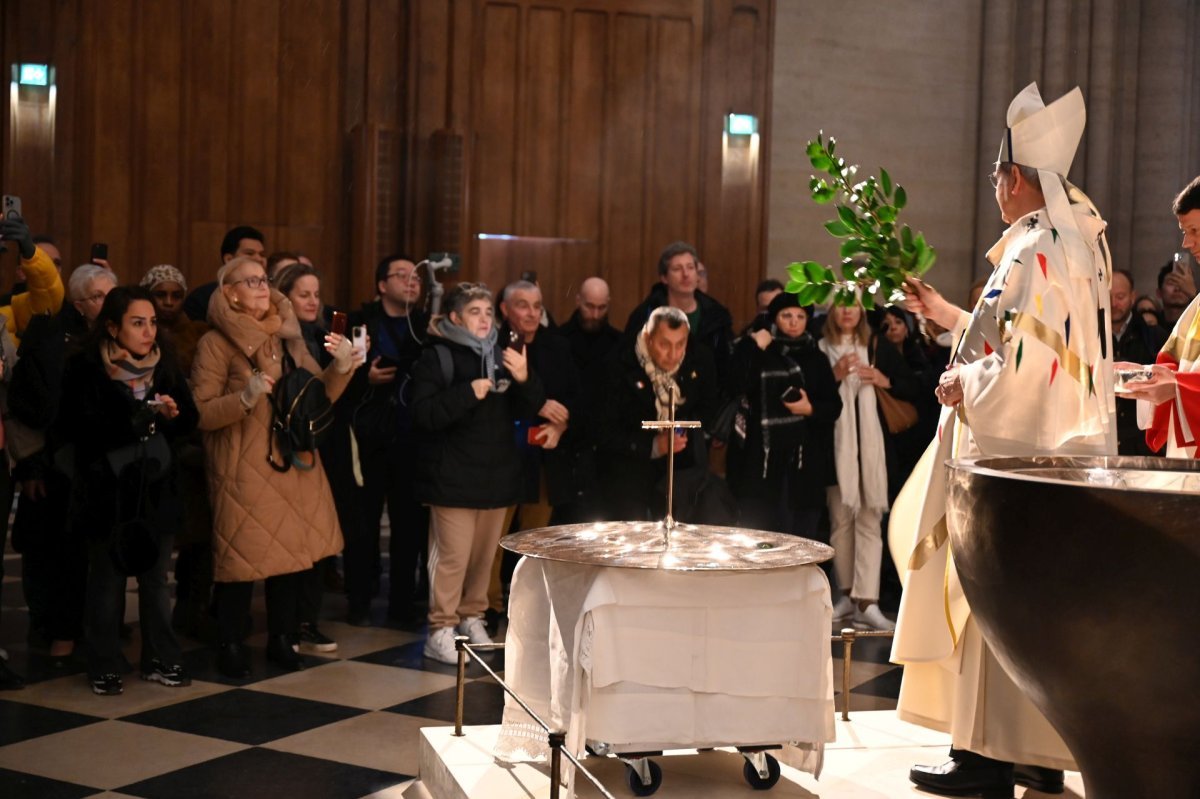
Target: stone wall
922	88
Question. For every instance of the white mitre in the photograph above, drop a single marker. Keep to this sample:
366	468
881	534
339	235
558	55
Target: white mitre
1044	137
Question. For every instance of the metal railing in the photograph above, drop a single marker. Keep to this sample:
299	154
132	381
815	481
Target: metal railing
848	636
556	738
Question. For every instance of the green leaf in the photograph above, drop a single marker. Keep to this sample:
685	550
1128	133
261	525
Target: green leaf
848	216
851	247
832	144
829	276
886	181
794	287
906	238
885	213
868	301
901	198
821	161
795	271
838	228
814	148
813	271
824	195
808	294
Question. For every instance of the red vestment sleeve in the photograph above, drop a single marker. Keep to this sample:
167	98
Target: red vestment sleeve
1188	393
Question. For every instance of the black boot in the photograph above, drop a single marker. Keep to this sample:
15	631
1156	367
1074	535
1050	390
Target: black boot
233	661
966	773
1046	780
281	653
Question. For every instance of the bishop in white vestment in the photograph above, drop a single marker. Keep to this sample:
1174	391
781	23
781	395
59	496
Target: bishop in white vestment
1031	374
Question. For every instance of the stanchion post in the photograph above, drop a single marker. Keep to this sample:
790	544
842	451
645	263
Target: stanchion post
556	740
848	636
460	642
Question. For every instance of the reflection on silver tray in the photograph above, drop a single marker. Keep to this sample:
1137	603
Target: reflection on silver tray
641	545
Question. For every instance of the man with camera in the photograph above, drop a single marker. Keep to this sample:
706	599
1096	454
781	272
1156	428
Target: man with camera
397	327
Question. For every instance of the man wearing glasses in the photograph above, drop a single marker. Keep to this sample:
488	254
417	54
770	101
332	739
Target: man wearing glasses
1041	331
396	325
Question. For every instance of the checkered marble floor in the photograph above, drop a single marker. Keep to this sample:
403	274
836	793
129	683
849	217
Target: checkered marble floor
345	727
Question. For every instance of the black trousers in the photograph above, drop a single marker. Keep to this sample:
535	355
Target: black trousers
388	476
106	610
54	562
233	607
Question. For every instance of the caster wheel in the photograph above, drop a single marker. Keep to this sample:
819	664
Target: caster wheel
635	782
757	782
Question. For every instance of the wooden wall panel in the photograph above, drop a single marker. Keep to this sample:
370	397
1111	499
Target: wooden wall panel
495	131
624	225
590	132
541	120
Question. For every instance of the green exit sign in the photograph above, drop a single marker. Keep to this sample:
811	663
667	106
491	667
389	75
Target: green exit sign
34	75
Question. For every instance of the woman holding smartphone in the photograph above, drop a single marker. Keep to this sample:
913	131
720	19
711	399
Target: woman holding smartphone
468	469
781	450
124	399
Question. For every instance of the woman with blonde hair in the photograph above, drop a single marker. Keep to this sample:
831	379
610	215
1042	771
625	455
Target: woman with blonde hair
860	498
268	524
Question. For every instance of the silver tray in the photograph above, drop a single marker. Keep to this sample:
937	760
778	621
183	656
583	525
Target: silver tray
643	545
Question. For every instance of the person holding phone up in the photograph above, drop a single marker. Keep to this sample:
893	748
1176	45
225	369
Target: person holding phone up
781	449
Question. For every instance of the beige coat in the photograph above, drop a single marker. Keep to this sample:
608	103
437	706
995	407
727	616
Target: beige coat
264	522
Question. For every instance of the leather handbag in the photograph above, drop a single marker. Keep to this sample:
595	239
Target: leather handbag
898	415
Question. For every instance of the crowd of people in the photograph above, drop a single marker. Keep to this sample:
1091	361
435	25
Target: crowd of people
140	426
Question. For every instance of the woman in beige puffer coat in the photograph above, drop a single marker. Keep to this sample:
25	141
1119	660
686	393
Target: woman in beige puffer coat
267	524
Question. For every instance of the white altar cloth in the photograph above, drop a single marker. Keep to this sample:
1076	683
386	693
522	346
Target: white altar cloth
646	660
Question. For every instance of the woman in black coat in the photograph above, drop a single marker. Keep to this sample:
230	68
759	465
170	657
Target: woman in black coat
467	395
123	400
781	450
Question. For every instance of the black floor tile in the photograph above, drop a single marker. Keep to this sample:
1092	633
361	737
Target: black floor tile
201	663
410	656
483	703
256	773
249	717
17	785
37	665
886	685
20	722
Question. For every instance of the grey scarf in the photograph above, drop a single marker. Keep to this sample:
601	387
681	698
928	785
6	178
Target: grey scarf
484	347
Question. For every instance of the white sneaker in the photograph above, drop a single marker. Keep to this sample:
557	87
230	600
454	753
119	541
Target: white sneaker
844	609
872	619
440	646
475	629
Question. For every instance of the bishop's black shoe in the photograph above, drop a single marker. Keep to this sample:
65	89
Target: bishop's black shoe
1046	780
966	774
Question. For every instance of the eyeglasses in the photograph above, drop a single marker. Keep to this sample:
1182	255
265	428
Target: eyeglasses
402	275
252	282
97	297
996	173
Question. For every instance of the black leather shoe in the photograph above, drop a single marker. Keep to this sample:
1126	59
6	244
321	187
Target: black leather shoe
233	662
1046	780
956	778
281	653
9	679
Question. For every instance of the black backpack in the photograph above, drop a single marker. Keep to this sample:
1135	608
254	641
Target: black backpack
301	415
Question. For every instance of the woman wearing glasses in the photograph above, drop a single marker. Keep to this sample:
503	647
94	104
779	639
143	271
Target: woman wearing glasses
268	525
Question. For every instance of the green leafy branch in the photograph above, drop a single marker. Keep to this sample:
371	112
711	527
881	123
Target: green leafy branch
878	253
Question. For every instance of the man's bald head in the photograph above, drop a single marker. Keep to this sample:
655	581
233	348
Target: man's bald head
592	300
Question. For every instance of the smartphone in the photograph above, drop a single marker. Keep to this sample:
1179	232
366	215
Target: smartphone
533	436
153	403
529	276
338	325
358	337
99	251
791	395
10	206
514	341
1179	264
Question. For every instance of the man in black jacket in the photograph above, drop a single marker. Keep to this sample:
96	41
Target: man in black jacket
710	323
382	424
1137	342
632	461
